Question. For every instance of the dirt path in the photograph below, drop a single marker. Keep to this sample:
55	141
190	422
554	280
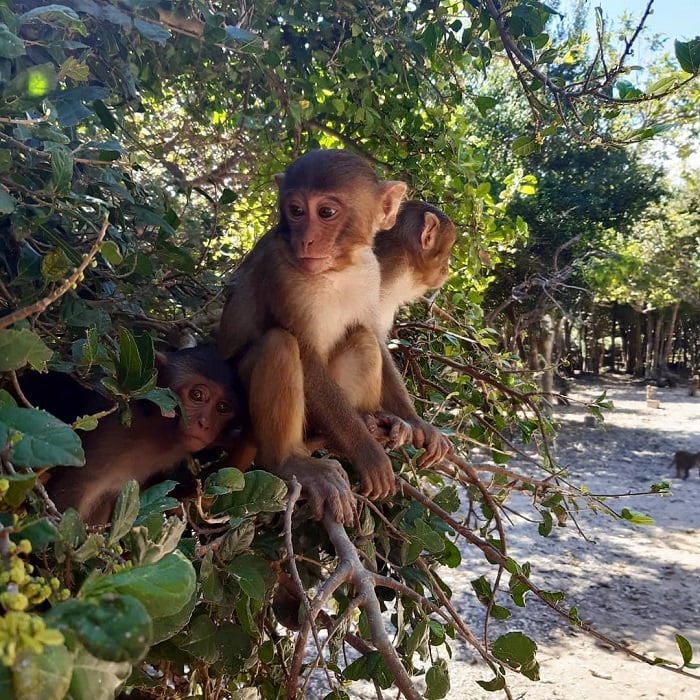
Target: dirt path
638	585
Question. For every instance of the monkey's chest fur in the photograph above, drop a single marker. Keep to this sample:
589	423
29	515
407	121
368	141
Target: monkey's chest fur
322	308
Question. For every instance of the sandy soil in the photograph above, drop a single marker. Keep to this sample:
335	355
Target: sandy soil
638	585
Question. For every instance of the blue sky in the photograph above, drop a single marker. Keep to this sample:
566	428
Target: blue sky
678	19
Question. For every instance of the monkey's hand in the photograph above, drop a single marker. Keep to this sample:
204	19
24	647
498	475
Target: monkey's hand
437	445
324	482
373	466
389	430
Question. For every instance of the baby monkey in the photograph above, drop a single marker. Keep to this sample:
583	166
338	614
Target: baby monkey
684	462
153	443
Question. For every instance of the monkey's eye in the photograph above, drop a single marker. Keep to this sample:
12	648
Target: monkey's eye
327	212
224	408
295	211
196	394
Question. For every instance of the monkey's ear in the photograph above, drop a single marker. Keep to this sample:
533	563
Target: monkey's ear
161	360
279	180
392	194
431	226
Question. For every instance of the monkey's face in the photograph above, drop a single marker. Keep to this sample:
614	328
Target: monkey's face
316	222
207	410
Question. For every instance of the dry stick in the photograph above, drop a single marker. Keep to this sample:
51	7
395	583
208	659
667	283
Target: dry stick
44	303
494	556
294	492
351	570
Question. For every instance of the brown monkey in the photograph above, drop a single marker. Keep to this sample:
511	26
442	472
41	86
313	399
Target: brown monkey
115	453
413	256
684	462
308	287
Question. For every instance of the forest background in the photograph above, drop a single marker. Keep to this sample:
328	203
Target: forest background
139	142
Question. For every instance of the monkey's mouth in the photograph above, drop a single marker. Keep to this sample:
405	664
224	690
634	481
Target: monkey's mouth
195	442
315	265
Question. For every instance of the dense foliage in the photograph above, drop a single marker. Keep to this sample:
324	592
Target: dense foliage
138	144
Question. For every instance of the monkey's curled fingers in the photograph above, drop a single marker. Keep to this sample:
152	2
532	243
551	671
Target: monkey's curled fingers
324	482
374	469
389	430
437	445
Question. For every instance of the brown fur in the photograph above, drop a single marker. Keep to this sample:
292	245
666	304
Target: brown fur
115	453
306	286
684	462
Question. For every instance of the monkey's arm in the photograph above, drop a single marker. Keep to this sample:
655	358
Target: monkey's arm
329	411
396	399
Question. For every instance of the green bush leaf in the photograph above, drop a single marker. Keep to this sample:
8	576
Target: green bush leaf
518	651
254	575
11	46
263	493
111	627
164	588
636	518
38	439
224	481
437	681
125	511
96	679
46	675
22	347
688	55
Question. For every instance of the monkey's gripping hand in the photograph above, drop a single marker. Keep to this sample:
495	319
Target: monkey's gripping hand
388	429
437	445
324	483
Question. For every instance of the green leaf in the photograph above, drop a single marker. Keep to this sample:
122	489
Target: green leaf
163	588
200	639
152	32
111	627
22	347
61	166
11	46
97	679
155	499
688	55
7	202
484	104
125	511
254	575
524	146
20	486
685	649
55	15
498	683
437	681
263	493
38	439
370	667
518	651
110	252
46	675
104	115
224	481
636	518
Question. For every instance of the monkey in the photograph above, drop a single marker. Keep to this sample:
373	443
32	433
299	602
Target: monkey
153	443
309	287
693	385
413	257
684	462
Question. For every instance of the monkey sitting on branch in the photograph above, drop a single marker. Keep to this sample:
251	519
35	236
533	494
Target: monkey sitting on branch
308	289
153	443
413	258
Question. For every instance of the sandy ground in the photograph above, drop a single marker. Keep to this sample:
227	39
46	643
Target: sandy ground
638	585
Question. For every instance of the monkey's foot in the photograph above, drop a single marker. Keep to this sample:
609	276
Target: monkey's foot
324	483
389	430
436	444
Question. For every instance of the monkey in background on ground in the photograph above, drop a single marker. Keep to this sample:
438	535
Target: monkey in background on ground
693	385
684	462
308	288
413	257
154	443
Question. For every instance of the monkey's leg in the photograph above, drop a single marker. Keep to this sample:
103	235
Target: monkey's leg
396	399
356	367
274	375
